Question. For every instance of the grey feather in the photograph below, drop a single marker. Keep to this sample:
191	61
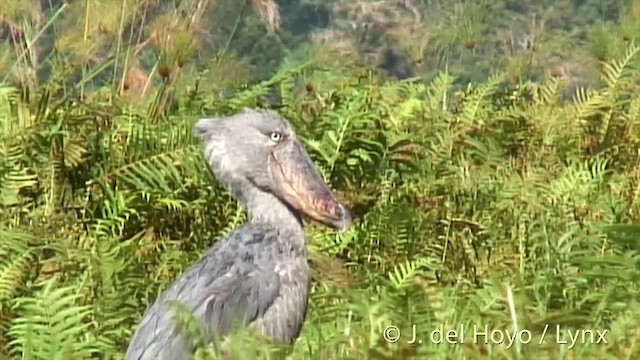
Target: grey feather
235	281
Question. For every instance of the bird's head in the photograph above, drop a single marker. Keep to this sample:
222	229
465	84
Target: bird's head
259	148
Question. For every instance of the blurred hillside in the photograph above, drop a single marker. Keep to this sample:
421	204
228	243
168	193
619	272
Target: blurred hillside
87	42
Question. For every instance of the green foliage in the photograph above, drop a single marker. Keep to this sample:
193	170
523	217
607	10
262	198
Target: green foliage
506	203
486	206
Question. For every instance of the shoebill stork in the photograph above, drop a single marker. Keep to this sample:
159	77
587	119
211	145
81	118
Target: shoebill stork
258	274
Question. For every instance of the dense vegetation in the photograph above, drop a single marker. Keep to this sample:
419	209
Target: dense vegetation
506	202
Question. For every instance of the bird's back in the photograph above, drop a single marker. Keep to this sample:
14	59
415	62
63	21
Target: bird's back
248	275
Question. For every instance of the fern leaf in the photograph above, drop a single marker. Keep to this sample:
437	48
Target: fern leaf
52	326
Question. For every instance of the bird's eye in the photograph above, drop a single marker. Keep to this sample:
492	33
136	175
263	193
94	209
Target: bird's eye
275	136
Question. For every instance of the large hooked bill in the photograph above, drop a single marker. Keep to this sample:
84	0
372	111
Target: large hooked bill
301	186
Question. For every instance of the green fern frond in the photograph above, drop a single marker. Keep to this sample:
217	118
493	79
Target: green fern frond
404	273
115	214
439	93
474	111
17	252
617	69
53	326
548	92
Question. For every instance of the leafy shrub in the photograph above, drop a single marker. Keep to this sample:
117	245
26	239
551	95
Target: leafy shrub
502	203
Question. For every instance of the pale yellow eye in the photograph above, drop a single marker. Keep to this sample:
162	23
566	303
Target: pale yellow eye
275	136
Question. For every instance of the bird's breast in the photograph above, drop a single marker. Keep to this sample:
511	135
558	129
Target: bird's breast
293	272
284	319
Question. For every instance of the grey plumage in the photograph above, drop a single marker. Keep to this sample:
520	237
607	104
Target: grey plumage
258	273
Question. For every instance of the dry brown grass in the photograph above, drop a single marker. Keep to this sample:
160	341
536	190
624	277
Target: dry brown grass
269	13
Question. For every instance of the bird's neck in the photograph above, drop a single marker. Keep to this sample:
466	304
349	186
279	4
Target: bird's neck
265	208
